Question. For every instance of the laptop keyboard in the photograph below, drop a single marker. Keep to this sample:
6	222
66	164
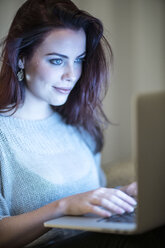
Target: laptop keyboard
124	218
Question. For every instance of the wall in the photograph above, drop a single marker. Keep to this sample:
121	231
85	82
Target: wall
7	12
135	29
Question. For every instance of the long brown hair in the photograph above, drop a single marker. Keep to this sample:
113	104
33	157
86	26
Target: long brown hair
32	22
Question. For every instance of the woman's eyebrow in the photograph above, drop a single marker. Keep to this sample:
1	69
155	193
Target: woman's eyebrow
83	54
64	56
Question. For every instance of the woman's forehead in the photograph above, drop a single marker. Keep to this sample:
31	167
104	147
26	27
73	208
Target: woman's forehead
64	41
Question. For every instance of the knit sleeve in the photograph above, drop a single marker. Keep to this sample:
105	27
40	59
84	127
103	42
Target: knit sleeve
4	210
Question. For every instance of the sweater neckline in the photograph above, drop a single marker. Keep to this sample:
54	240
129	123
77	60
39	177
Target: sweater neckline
52	119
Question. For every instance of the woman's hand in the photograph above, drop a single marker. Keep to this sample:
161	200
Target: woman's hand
130	189
102	201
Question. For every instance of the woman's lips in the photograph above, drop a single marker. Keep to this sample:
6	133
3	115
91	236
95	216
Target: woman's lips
63	90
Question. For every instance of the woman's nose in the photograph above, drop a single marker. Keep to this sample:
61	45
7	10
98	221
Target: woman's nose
69	74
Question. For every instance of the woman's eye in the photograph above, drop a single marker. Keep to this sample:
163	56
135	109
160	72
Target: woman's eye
80	60
56	61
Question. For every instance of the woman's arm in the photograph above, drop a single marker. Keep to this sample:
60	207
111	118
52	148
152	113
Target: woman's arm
20	230
17	231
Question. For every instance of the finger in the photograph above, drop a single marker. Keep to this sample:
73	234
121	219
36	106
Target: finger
122	204
132	189
100	211
126	197
113	207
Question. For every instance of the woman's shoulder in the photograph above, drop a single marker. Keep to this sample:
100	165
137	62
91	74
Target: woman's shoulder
4	113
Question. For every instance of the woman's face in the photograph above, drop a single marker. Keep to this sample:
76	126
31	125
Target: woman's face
55	67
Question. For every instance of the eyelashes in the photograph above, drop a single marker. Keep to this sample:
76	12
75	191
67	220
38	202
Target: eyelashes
58	61
80	60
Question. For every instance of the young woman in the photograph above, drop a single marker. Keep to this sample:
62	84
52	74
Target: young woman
52	81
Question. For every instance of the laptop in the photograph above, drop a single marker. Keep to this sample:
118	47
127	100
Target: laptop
149	148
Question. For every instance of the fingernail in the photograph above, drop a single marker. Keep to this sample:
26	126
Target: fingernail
121	211
134	202
130	209
108	214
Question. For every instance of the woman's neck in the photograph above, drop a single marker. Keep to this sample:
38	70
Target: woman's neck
33	113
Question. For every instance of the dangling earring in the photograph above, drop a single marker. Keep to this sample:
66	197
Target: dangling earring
20	73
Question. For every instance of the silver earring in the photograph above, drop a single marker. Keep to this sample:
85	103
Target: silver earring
20	75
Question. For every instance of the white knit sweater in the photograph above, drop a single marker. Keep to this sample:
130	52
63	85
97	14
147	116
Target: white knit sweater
42	161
